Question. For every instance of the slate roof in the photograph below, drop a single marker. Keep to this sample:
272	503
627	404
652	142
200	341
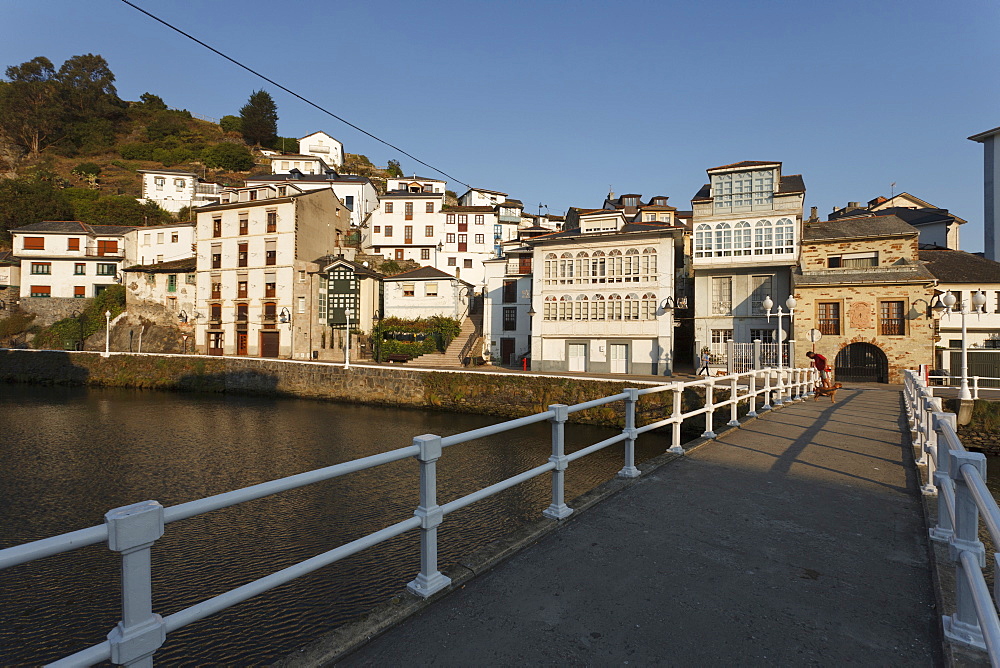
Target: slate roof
165	171
404	194
184	266
468	209
512	202
326	261
909	272
955	266
309	178
483	190
74	227
791	183
627	228
857	228
983	136
424	274
745	163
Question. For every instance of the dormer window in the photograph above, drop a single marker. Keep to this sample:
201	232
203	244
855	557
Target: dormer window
744	191
853	260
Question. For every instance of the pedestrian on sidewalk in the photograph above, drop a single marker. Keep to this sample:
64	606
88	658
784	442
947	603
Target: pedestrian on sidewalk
822	367
705	359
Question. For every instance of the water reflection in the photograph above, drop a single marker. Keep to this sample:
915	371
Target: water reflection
71	454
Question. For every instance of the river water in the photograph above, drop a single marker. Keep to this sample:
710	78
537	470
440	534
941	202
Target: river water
71	454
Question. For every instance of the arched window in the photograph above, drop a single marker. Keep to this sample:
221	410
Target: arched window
615	311
632	265
631	310
597	308
566	268
763	242
580	311
742	241
784	236
649	264
723	240
649	306
582	267
565	307
549	312
598	267
551	268
703	241
615	266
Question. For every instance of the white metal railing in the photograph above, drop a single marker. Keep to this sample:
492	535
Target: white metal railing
976	383
957	477
133	530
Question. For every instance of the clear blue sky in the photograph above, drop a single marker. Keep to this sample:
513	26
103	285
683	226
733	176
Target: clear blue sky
554	102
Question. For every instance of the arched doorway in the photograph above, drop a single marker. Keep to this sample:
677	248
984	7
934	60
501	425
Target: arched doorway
861	363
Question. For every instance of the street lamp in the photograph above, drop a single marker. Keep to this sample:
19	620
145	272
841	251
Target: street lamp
107	334
285	316
376	336
978	301
790	303
437	249
347	350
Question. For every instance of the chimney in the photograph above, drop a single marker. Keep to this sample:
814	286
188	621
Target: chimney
813	214
854	205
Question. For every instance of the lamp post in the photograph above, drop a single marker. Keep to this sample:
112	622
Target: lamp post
347	348
790	303
107	333
437	249
376	336
978	300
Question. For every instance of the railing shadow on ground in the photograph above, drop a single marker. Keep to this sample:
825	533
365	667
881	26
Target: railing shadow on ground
957	478
133	530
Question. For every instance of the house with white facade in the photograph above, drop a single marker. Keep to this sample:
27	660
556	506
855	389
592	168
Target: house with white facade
172	190
356	192
163	243
507	303
283	163
964	274
408	225
426	292
938	228
472	235
416	184
10	276
255	251
171	284
747	227
603	296
481	197
321	145
68	259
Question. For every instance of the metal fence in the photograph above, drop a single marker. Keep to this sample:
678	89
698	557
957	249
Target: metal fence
957	477
976	383
133	530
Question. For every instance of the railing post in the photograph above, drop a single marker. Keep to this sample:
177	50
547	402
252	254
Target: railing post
944	530
779	387
753	395
132	530
629	470
675	441
429	580
558	509
931	454
975	387
767	390
963	626
709	409
730	356
757	349
734	420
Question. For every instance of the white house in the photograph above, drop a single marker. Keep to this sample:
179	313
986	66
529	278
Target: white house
747	228
471	235
426	292
964	274
173	190
482	197
163	243
938	228
307	164
171	284
255	251
321	145
507	303
69	259
356	192
408	225
603	296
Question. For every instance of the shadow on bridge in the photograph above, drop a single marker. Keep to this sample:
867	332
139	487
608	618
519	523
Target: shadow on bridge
797	538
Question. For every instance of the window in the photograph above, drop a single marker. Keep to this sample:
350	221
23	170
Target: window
760	287
217	227
425	253
216	287
742	239
174	237
388	207
242	312
510	292
647	266
723	240
480	219
215	312
893	321
377	229
147	239
452	262
449	238
282	191
41	291
159	182
429	207
301	301
243	254
703	241
349	202
510	318
722	295
272	221
241	287
191	279
171	282
408	234
743	190
388	230
270	252
41	268
722	335
463	219
106	269
853	260
449	219
649	306
463	242
467	264
179	184
244	226
159	237
828	315
408	211
270	285
159	258
480	239
431	290
79	269
79	291
762	335
73	243
408	290
429	231
763	240
302	277
34	243
216	256
151	279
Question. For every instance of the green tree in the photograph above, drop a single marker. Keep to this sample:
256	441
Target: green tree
393	169
88	85
231	157
90	207
31	110
259	119
152	102
231	123
286	145
31	199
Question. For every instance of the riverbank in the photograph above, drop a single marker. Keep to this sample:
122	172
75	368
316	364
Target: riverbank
497	394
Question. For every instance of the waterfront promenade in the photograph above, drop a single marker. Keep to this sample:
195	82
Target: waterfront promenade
797	539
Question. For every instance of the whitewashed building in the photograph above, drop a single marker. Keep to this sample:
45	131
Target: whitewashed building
171	284
10	276
284	163
747	227
426	292
356	192
163	243
507	304
408	225
963	274
172	190
481	197
321	145
255	251
603	296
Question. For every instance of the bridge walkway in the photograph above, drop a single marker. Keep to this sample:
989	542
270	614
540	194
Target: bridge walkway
797	539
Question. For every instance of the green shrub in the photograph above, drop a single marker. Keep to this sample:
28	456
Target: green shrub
15	323
136	151
65	333
89	168
231	157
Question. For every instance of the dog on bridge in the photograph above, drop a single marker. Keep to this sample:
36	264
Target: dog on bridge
831	392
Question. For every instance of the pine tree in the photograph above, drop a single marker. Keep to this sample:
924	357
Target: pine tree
259	119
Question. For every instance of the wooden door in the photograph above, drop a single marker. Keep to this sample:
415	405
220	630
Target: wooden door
241	343
577	357
270	343
399	253
506	351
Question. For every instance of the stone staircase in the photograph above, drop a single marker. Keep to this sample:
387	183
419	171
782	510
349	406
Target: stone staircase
472	326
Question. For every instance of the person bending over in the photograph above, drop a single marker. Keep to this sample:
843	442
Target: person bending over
822	367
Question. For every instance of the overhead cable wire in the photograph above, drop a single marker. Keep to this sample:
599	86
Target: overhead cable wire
293	93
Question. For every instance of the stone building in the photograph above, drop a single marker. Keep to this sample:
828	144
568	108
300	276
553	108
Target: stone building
860	283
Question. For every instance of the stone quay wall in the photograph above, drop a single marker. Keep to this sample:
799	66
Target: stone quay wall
506	395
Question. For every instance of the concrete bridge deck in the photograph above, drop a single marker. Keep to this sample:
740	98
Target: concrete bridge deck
797	539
